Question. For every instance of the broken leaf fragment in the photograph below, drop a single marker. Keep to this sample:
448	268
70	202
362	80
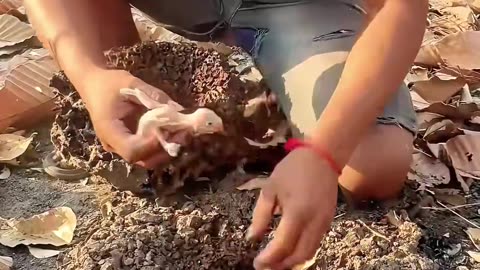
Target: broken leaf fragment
475	255
54	227
464	151
427	171
5	173
474	234
306	265
5	263
42	253
13	146
13	31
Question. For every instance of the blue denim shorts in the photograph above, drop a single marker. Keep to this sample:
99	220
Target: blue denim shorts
300	47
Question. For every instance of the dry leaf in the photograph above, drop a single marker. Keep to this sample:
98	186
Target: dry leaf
450	196
474	234
416	74
460	112
441	131
13	146
464	151
5	173
428	172
41	253
54	227
5	263
426	119
475	255
418	102
13	31
255	183
438	90
457	50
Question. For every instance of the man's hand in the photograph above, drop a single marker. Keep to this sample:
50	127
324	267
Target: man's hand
115	116
305	189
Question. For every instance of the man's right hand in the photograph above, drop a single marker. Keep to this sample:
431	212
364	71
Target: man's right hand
115	116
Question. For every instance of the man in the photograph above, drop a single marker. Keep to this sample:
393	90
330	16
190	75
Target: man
354	114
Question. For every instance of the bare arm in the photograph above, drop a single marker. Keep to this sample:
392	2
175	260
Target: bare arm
78	31
375	68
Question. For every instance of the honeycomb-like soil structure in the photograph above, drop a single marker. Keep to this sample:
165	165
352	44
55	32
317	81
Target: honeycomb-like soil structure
194	76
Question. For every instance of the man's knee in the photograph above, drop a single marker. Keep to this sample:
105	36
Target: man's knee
379	166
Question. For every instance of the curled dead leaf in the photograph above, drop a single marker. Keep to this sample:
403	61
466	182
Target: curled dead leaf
13	146
54	227
255	183
441	131
426	119
5	263
41	253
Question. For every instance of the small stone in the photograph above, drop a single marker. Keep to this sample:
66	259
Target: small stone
128	261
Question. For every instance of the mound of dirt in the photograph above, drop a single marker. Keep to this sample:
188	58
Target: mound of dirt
206	233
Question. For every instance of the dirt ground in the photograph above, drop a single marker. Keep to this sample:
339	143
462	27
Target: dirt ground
205	228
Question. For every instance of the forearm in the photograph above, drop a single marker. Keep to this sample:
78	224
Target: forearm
375	68
78	32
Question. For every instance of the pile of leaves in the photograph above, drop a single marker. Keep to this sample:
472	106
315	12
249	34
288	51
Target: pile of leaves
445	89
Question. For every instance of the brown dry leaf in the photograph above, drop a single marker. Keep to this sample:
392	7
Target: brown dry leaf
5	173
450	196
255	183
13	146
426	119
438	90
428	172
5	263
54	227
416	74
418	102
474	234
441	131
474	5
464	151
457	50
460	112
475	255
13	31
41	253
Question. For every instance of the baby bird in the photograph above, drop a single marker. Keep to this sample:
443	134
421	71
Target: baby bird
163	118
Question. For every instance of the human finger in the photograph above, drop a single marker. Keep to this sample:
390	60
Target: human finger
284	241
129	146
307	245
155	160
262	214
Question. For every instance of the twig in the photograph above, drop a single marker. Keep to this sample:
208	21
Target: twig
373	231
339	215
460	216
453	207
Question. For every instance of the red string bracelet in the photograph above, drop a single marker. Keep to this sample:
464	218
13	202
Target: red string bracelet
293	144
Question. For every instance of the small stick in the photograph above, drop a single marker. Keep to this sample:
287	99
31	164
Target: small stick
339	215
460	216
453	207
373	231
